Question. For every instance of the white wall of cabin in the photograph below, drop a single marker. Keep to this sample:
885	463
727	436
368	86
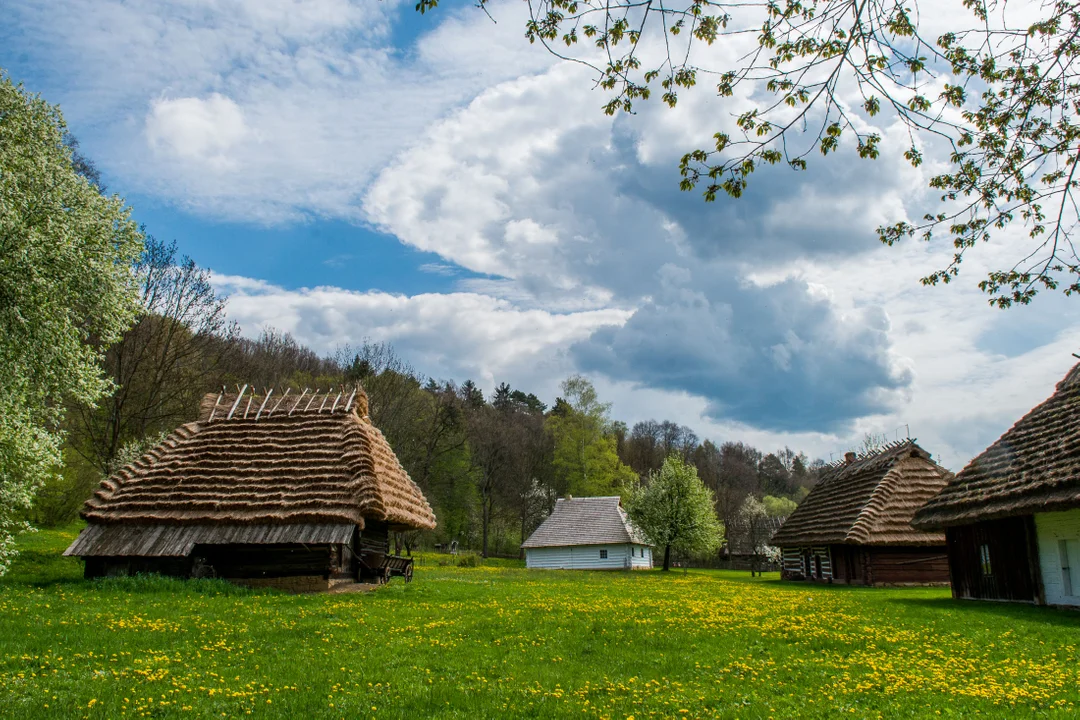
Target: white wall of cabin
1051	529
587	557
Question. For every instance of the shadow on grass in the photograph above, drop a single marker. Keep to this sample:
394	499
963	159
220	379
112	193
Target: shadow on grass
995	609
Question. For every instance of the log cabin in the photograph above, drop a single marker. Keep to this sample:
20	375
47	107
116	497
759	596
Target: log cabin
855	525
297	492
1011	517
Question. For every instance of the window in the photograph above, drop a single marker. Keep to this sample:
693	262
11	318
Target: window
984	560
603	554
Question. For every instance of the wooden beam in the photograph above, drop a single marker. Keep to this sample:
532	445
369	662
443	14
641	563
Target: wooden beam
280	400
233	409
216	403
325	399
299	401
265	400
349	403
336	401
313	396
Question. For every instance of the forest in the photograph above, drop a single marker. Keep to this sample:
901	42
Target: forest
491	467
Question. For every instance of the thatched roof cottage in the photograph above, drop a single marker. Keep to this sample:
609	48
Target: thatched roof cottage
591	533
293	490
1012	516
855	525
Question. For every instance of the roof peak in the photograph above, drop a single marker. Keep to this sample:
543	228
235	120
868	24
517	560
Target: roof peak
889	447
247	403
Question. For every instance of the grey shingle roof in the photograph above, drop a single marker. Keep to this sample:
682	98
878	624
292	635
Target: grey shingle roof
585	521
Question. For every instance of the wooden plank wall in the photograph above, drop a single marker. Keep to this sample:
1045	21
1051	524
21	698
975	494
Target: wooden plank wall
908	565
1009	543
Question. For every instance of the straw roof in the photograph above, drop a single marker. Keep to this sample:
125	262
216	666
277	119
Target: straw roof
258	460
1033	467
869	501
585	521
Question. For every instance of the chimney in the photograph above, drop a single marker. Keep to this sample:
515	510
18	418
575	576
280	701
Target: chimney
849	457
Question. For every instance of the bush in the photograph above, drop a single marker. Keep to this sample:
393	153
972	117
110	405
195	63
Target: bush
468	560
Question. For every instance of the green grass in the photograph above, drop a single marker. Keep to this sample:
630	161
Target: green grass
500	641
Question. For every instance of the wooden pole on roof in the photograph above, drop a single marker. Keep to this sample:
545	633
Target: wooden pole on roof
216	403
336	400
266	399
349	403
299	401
233	409
248	406
280	400
325	399
313	396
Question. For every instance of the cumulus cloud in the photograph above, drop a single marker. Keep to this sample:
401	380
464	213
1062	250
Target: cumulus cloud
780	358
325	96
202	130
453	335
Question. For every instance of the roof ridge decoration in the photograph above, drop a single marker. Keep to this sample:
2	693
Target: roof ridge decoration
225	405
872	454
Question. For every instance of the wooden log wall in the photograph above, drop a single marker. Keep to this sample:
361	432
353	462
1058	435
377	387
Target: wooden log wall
806	563
908	565
264	561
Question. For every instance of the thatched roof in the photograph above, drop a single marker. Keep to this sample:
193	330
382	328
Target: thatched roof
1033	467
585	521
304	460
869	501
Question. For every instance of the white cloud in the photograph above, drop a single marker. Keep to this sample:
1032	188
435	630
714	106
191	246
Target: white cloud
324	96
455	335
196	129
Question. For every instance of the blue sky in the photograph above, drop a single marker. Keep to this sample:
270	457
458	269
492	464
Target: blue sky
353	170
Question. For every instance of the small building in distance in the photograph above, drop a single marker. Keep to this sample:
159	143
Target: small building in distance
745	540
855	525
1012	516
295	491
591	533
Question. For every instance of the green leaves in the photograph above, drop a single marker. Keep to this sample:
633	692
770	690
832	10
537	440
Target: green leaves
66	254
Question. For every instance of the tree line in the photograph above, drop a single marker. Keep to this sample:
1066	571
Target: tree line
491	467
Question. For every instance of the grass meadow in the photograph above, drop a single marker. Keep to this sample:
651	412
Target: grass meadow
499	641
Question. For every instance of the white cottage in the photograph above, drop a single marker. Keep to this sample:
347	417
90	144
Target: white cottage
590	533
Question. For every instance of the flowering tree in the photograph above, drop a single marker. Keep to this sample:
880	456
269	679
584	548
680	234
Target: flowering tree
674	509
67	291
